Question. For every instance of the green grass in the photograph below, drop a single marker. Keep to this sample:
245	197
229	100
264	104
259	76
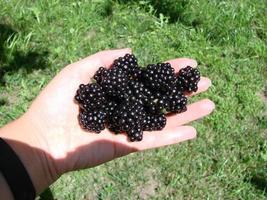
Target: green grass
227	38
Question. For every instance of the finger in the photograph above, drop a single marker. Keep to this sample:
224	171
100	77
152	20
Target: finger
153	139
194	111
203	85
165	137
107	57
180	63
103	58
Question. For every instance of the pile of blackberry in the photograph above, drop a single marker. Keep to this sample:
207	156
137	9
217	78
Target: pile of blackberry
127	98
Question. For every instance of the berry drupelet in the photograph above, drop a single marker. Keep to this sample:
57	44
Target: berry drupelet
188	79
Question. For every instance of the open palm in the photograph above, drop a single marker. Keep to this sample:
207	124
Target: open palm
54	116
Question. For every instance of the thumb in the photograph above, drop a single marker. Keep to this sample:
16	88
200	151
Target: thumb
105	58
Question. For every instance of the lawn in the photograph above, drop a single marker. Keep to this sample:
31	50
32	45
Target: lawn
228	160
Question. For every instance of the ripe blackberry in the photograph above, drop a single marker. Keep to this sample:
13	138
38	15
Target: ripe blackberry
129	65
110	109
157	103
154	122
90	96
112	124
139	91
136	133
99	74
153	107
115	82
159	76
128	115
176	101
92	120
178	105
188	79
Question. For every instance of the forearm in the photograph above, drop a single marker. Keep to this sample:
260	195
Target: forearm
21	137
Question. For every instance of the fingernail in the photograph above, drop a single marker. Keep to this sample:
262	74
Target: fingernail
193	63
209	82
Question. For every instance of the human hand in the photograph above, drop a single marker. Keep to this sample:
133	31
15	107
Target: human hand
51	122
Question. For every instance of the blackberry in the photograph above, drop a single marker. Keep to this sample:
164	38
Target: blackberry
139	91
154	107
115	82
154	122
112	124
92	120
90	96
128	116
110	109
157	103
159	76
129	65
176	101
177	105
99	74
136	133
188	79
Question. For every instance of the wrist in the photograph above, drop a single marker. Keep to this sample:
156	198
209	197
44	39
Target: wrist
23	138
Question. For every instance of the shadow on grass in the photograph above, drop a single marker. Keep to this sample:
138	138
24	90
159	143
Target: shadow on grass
104	8
259	181
46	195
173	9
11	60
257	177
5	33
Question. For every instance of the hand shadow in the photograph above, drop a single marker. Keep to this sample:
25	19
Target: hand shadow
46	195
173	10
259	181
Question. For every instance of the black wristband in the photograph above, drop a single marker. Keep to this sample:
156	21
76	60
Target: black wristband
15	173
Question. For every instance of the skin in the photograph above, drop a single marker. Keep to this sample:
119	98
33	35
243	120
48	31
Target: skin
50	142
